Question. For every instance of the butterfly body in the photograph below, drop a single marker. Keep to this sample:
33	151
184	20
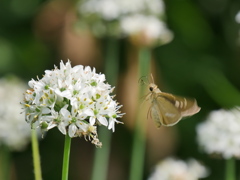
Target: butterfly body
167	109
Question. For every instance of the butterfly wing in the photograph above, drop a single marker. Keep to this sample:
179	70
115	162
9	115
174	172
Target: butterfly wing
167	109
156	115
186	106
164	112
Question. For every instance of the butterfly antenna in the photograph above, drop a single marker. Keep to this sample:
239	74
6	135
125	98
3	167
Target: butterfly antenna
145	98
141	81
152	78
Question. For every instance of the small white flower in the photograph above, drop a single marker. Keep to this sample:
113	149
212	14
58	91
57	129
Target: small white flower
172	169
14	131
220	133
75	100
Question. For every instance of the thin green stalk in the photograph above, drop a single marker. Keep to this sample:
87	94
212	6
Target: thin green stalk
138	151
5	163
101	158
36	157
230	169
66	155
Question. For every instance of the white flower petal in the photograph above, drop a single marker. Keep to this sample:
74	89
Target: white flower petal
51	125
62	128
72	130
92	120
65	113
82	125
111	124
46	111
102	120
88	112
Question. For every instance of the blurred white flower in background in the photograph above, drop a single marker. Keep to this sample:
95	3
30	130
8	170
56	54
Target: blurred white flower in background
74	99
14	131
173	169
220	133
148	27
114	9
125	18
237	17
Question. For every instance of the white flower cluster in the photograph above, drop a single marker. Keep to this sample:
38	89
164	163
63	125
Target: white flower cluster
125	18
114	9
150	28
14	132
172	169
74	99
220	133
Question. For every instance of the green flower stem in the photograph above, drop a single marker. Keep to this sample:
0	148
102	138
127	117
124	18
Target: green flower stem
5	163
230	169
66	155
101	157
36	157
138	151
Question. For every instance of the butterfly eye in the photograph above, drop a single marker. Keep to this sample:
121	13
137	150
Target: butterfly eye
151	88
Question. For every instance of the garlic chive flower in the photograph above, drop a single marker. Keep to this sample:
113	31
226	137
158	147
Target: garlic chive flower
14	131
174	169
220	133
74	99
141	20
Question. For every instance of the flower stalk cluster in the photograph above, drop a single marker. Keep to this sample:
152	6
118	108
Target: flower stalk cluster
74	99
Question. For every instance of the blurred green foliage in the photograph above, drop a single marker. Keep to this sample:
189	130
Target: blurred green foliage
202	61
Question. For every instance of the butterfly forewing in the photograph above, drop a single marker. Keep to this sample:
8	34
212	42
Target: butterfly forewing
168	114
168	109
186	106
